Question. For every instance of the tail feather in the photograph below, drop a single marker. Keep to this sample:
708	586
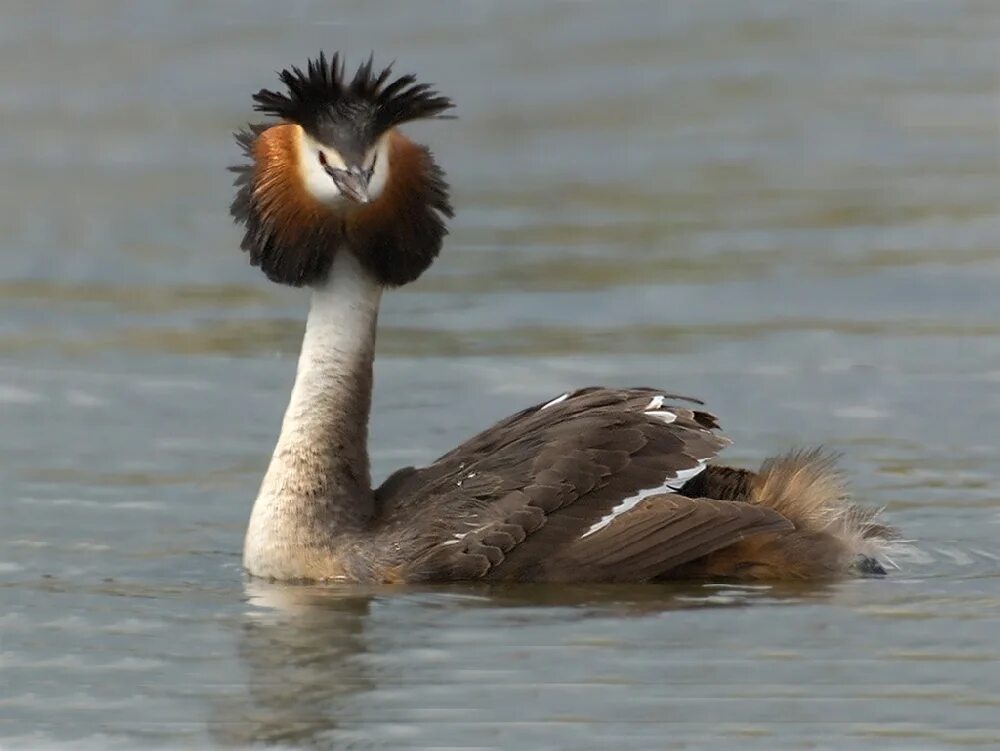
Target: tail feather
807	488
828	536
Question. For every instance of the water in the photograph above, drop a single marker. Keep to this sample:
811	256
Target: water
786	208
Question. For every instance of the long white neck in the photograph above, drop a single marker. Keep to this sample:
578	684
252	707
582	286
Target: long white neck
318	484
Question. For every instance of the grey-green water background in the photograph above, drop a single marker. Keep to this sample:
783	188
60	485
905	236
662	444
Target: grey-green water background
789	209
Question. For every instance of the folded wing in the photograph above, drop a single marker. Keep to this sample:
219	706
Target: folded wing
579	488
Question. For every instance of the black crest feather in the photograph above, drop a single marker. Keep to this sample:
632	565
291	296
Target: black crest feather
324	102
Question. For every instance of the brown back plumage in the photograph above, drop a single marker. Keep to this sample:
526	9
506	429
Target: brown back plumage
534	499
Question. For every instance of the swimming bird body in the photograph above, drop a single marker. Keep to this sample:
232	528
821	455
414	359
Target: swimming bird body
596	484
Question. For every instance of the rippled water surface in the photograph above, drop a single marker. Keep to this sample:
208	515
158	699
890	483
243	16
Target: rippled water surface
789	209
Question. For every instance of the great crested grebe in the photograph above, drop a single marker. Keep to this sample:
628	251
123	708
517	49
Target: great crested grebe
597	484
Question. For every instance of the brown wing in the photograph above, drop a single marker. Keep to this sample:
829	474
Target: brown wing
556	483
660	534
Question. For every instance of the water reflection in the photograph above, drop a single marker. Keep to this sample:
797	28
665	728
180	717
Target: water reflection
313	654
299	648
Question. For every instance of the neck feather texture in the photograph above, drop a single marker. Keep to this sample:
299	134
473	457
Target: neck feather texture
318	486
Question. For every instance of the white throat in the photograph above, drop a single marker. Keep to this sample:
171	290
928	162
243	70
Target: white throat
318	485
340	331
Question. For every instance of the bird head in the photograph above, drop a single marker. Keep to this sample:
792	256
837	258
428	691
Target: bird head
334	174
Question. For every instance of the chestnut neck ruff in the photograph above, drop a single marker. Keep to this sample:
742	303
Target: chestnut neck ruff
293	237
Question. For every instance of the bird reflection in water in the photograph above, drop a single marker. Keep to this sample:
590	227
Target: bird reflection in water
312	653
300	647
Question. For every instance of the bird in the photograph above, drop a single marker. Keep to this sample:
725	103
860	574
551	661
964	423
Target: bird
597	484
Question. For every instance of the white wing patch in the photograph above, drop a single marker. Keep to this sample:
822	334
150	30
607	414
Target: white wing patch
655	409
655	403
670	484
557	400
664	414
